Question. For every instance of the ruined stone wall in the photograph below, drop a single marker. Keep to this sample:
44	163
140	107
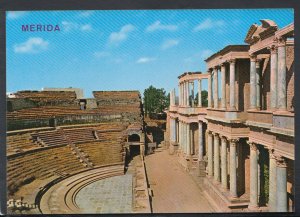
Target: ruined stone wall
14	104
126	103
49	98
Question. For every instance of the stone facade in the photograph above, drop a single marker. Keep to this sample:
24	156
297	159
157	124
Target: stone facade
245	137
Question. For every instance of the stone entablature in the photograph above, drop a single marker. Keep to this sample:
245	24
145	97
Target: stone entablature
226	55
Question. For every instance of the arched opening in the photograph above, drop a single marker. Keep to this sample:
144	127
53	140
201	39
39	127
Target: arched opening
134	138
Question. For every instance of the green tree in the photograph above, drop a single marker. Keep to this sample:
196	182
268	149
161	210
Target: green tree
155	100
204	95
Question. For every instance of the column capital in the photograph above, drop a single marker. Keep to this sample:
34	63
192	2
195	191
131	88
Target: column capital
209	132
253	146
232	61
273	48
257	63
272	154
234	141
281	162
224	138
215	134
281	41
253	57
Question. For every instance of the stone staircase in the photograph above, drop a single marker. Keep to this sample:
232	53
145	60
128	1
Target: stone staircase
81	156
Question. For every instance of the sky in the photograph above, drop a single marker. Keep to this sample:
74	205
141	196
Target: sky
122	50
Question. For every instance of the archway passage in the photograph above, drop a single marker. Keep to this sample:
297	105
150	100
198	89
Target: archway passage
134	150
134	138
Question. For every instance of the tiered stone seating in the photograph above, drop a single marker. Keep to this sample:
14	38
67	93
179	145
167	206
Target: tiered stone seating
20	142
80	135
39	164
106	151
50	138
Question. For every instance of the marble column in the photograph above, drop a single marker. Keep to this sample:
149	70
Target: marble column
171	129
179	134
179	95
253	176
233	172
216	157
281	86
272	181
273	77
216	93
200	139
192	94
253	82
183	138
281	184
210	153
257	65
188	93
232	84
188	139
223	86
209	92
174	130
199	93
224	162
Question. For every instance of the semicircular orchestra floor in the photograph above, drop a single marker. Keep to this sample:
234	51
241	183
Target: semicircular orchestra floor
110	195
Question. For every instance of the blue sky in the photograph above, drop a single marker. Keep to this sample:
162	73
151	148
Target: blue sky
122	50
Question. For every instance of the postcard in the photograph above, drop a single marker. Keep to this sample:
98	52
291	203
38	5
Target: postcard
150	111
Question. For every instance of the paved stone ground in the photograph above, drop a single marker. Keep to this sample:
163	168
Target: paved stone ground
111	195
174	190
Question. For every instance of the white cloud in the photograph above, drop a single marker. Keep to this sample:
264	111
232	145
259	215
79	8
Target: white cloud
145	59
86	13
204	54
158	26
16	14
101	54
122	35
32	45
70	26
209	24
86	28
169	43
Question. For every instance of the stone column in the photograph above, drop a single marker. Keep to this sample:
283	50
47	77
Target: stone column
188	91
171	129
272	181
257	65
216	94
232	84
200	138
209	92
188	140
183	138
252	82
281	185
273	77
179	95
192	94
233	174
210	153
223	86
216	157
253	176
224	162
171	103
199	93
281	96
183	93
